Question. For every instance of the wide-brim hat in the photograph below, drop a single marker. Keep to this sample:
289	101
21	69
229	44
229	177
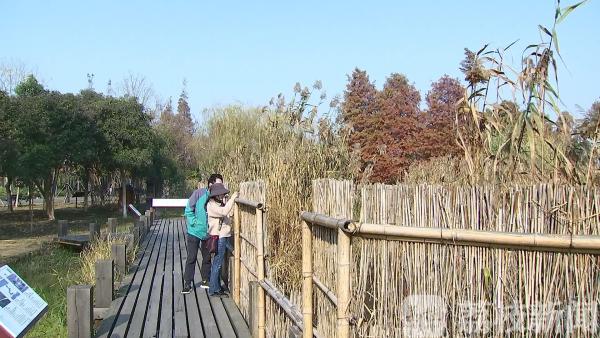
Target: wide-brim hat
218	189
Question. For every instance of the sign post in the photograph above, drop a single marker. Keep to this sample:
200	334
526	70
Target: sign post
20	306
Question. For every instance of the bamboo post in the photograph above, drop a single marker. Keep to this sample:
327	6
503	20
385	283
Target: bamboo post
260	262
307	282
80	311
237	282
343	287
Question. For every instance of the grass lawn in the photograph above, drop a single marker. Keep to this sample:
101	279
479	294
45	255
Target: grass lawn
49	272
47	267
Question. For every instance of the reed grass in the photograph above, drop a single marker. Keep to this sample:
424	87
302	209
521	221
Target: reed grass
286	147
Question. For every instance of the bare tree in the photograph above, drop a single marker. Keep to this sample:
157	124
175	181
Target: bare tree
11	74
136	85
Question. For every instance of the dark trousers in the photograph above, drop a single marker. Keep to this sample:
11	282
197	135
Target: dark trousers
225	269
193	244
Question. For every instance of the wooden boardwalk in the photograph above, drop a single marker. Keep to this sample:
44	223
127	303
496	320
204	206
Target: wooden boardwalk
151	303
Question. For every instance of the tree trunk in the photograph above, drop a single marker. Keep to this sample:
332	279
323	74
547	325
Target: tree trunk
31	208
47	189
9	192
86	187
124	192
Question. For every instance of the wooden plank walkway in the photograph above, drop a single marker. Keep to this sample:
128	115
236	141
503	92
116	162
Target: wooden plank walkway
151	303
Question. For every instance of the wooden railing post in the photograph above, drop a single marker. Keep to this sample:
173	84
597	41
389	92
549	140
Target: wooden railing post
135	231
112	225
343	284
307	281
152	215
143	226
260	262
130	241
253	306
237	282
94	231
80	311
118	254
63	228
104	288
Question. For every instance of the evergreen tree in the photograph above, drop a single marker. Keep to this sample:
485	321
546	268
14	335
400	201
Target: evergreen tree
184	116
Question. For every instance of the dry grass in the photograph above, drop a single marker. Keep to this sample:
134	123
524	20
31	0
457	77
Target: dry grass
100	249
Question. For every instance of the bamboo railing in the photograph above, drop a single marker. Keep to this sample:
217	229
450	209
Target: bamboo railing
267	310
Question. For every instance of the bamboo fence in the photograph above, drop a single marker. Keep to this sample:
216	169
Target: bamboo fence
275	313
335	198
463	261
480	291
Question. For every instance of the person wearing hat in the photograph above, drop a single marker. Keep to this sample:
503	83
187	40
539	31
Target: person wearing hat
197	233
219	224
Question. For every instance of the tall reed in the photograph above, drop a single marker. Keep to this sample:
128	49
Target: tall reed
286	145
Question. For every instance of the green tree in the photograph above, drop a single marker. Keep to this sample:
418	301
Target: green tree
88	148
45	131
9	149
184	131
127	131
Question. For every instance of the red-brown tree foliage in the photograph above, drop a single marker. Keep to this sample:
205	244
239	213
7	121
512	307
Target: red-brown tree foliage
397	116
357	113
383	124
438	133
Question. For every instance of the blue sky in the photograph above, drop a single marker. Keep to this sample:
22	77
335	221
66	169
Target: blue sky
249	51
